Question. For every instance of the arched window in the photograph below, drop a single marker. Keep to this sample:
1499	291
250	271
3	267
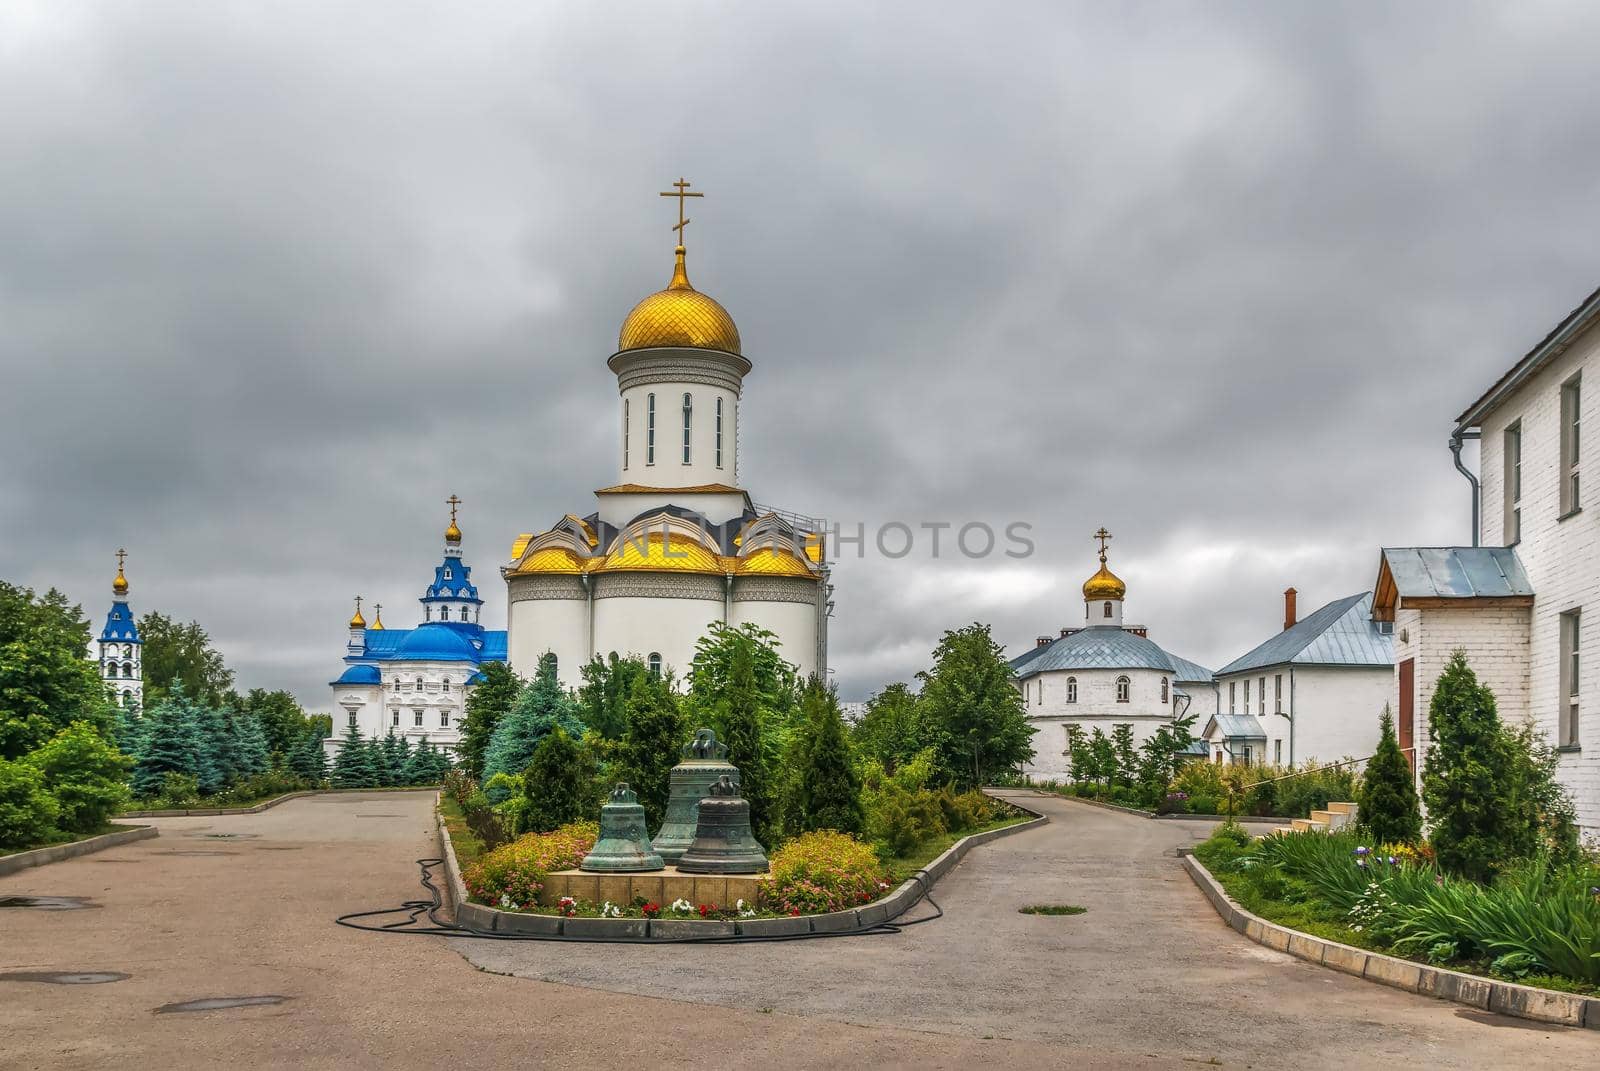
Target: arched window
649	429
1072	689
719	433
655	663
624	433
427	613
127	670
1107	611
1038	694
463	613
1164	696
127	696
447	684
447	573
1122	689
688	419
419	684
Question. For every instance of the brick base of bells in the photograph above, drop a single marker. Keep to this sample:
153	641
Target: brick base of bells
658	886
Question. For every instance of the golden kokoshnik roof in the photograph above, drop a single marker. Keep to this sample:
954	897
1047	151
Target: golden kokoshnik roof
674	554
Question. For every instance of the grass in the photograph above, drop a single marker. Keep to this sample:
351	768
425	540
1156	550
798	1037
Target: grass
66	838
467	847
902	866
1052	909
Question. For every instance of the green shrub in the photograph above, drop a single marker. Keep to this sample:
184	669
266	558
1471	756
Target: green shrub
966	810
556	785
261	786
1204	804
484	821
86	774
1387	799
820	872
513	876
27	811
178	790
1465	776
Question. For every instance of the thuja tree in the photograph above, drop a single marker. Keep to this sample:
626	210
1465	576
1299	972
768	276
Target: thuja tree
1387	799
1465	776
738	717
542	707
1127	756
608	686
982	725
823	790
657	730
557	784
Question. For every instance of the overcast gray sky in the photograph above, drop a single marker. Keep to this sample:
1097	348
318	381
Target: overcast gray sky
276	279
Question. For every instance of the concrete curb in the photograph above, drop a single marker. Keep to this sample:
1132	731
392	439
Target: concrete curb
54	853
211	812
1241	818
493	920
1475	991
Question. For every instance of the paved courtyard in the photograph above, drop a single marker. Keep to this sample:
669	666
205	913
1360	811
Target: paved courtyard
1148	977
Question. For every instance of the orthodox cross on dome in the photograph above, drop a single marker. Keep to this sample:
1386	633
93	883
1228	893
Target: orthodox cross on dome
680	193
121	554
1103	536
453	502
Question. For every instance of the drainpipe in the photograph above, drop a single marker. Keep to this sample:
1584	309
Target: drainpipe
1456	440
1291	715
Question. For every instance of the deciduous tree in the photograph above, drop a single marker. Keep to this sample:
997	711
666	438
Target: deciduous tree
969	694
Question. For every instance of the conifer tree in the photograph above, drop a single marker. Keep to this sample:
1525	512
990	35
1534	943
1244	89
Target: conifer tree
375	757
250	745
542	706
656	733
738	717
394	761
822	788
1465	773
403	761
308	759
1387	799
352	766
556	785
419	768
171	744
218	765
488	702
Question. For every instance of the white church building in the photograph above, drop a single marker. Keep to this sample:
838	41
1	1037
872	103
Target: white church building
676	543
1103	674
1523	598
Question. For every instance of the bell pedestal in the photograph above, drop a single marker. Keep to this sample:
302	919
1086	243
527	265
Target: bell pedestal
658	887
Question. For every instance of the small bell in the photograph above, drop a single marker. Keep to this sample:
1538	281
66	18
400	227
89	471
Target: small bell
705	759
723	843
623	845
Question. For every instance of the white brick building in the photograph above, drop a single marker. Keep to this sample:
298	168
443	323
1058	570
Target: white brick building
1539	516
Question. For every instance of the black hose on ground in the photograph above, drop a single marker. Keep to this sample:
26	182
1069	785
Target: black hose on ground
415	909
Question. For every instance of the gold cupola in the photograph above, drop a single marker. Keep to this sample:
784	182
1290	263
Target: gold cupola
377	617
681	316
452	535
356	620
1105	584
119	586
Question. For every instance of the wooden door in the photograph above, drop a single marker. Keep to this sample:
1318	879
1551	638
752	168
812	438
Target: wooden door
1407	723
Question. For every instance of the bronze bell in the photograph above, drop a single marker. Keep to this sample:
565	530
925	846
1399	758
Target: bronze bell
624	844
704	761
723	843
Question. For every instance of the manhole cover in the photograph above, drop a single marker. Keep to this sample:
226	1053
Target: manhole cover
278	847
216	1003
47	903
113	860
63	977
226	836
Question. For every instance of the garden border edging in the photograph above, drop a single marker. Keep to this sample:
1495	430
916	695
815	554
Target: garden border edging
1269	820
54	853
1474	991
493	920
215	812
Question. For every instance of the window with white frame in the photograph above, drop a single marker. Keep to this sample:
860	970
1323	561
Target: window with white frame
650	429
1233	697
352	717
1277	753
1571	419
1123	685
416	717
688	423
1277	694
1247	695
394	718
1261	696
1107	611
444	719
1511	463
655	663
1571	655
1165	697
1072	689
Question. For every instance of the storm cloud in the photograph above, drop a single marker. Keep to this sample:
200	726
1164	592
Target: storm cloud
275	280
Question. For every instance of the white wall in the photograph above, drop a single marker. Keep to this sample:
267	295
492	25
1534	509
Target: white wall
669	469
1097	708
794	623
535	626
1562	557
375	705
668	626
1333	709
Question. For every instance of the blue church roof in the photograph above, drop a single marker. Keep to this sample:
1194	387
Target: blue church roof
452	580
360	675
121	625
435	642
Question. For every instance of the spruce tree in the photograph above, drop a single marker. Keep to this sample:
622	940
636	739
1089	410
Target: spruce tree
402	761
171	744
822	790
1387	799
250	745
1465	774
394	761
487	703
307	759
542	706
375	758
556	785
352	766
657	731
218	760
419	767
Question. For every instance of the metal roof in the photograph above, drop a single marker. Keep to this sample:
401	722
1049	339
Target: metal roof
1341	633
1185	670
1236	727
1456	572
1549	348
1097	647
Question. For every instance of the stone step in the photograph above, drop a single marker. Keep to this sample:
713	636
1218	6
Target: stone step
1306	825
1327	818
1343	808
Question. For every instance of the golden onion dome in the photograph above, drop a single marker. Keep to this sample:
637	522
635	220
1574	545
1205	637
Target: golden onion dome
679	316
356	620
452	534
120	584
1104	585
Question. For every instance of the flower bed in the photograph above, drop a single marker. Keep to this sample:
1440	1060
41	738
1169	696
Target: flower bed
820	872
512	876
1538	924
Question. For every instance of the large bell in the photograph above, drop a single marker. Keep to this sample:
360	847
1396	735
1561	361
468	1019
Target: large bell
704	761
723	843
624	843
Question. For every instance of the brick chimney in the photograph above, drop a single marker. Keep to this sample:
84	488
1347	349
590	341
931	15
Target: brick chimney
1043	641
1289	615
